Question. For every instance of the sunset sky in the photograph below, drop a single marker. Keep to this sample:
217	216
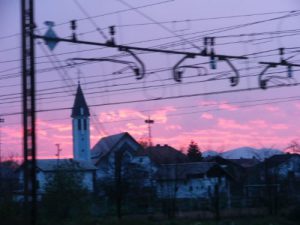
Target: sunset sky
200	108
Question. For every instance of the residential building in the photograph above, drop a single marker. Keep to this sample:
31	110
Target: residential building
197	180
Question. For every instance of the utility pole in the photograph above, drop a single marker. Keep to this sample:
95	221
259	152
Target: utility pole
28	94
1	121
149	122
58	153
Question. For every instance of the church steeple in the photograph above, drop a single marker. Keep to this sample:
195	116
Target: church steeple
81	127
80	107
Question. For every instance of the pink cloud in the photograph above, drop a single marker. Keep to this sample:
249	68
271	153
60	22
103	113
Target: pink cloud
207	116
173	127
129	113
61	126
231	124
297	105
157	115
228	107
259	123
271	108
138	130
280	127
14	133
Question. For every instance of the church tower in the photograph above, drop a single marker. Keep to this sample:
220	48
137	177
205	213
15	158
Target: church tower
81	127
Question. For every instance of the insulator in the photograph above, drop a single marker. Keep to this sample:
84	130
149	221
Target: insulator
73	24
290	71
213	61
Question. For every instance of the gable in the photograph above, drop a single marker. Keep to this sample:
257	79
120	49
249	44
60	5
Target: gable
109	145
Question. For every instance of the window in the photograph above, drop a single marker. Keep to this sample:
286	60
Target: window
84	124
79	124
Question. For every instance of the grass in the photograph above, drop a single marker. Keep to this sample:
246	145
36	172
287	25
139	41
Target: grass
240	221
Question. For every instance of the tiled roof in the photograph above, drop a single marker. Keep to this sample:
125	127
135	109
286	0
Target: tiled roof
163	154
80	108
278	159
246	163
184	170
48	165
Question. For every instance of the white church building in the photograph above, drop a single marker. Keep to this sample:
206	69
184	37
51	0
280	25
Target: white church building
81	163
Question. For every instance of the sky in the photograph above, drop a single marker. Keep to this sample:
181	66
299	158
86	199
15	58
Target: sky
203	107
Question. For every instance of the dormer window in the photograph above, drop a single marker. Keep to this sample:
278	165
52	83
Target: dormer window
81	111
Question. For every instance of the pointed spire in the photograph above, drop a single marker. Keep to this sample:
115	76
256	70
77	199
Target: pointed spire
80	108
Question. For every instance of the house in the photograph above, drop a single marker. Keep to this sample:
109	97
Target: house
153	157
114	151
9	181
274	183
246	163
235	169
279	173
47	168
284	165
161	154
197	180
232	167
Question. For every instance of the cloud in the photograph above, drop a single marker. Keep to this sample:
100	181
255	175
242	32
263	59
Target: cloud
159	116
207	116
259	123
231	124
138	130
129	113
297	105
228	107
271	108
173	127
58	126
280	127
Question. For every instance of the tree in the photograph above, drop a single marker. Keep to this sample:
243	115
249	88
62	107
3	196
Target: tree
293	147
65	197
10	210
194	154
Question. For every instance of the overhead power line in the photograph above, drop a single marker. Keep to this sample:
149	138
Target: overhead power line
159	24
91	20
160	99
165	22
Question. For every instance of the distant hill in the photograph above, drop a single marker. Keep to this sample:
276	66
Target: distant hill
245	153
210	153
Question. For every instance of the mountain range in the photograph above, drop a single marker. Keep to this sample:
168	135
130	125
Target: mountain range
245	153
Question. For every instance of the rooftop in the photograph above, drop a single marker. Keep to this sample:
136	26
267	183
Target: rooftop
163	154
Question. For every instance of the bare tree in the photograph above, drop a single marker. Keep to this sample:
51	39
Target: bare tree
294	147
